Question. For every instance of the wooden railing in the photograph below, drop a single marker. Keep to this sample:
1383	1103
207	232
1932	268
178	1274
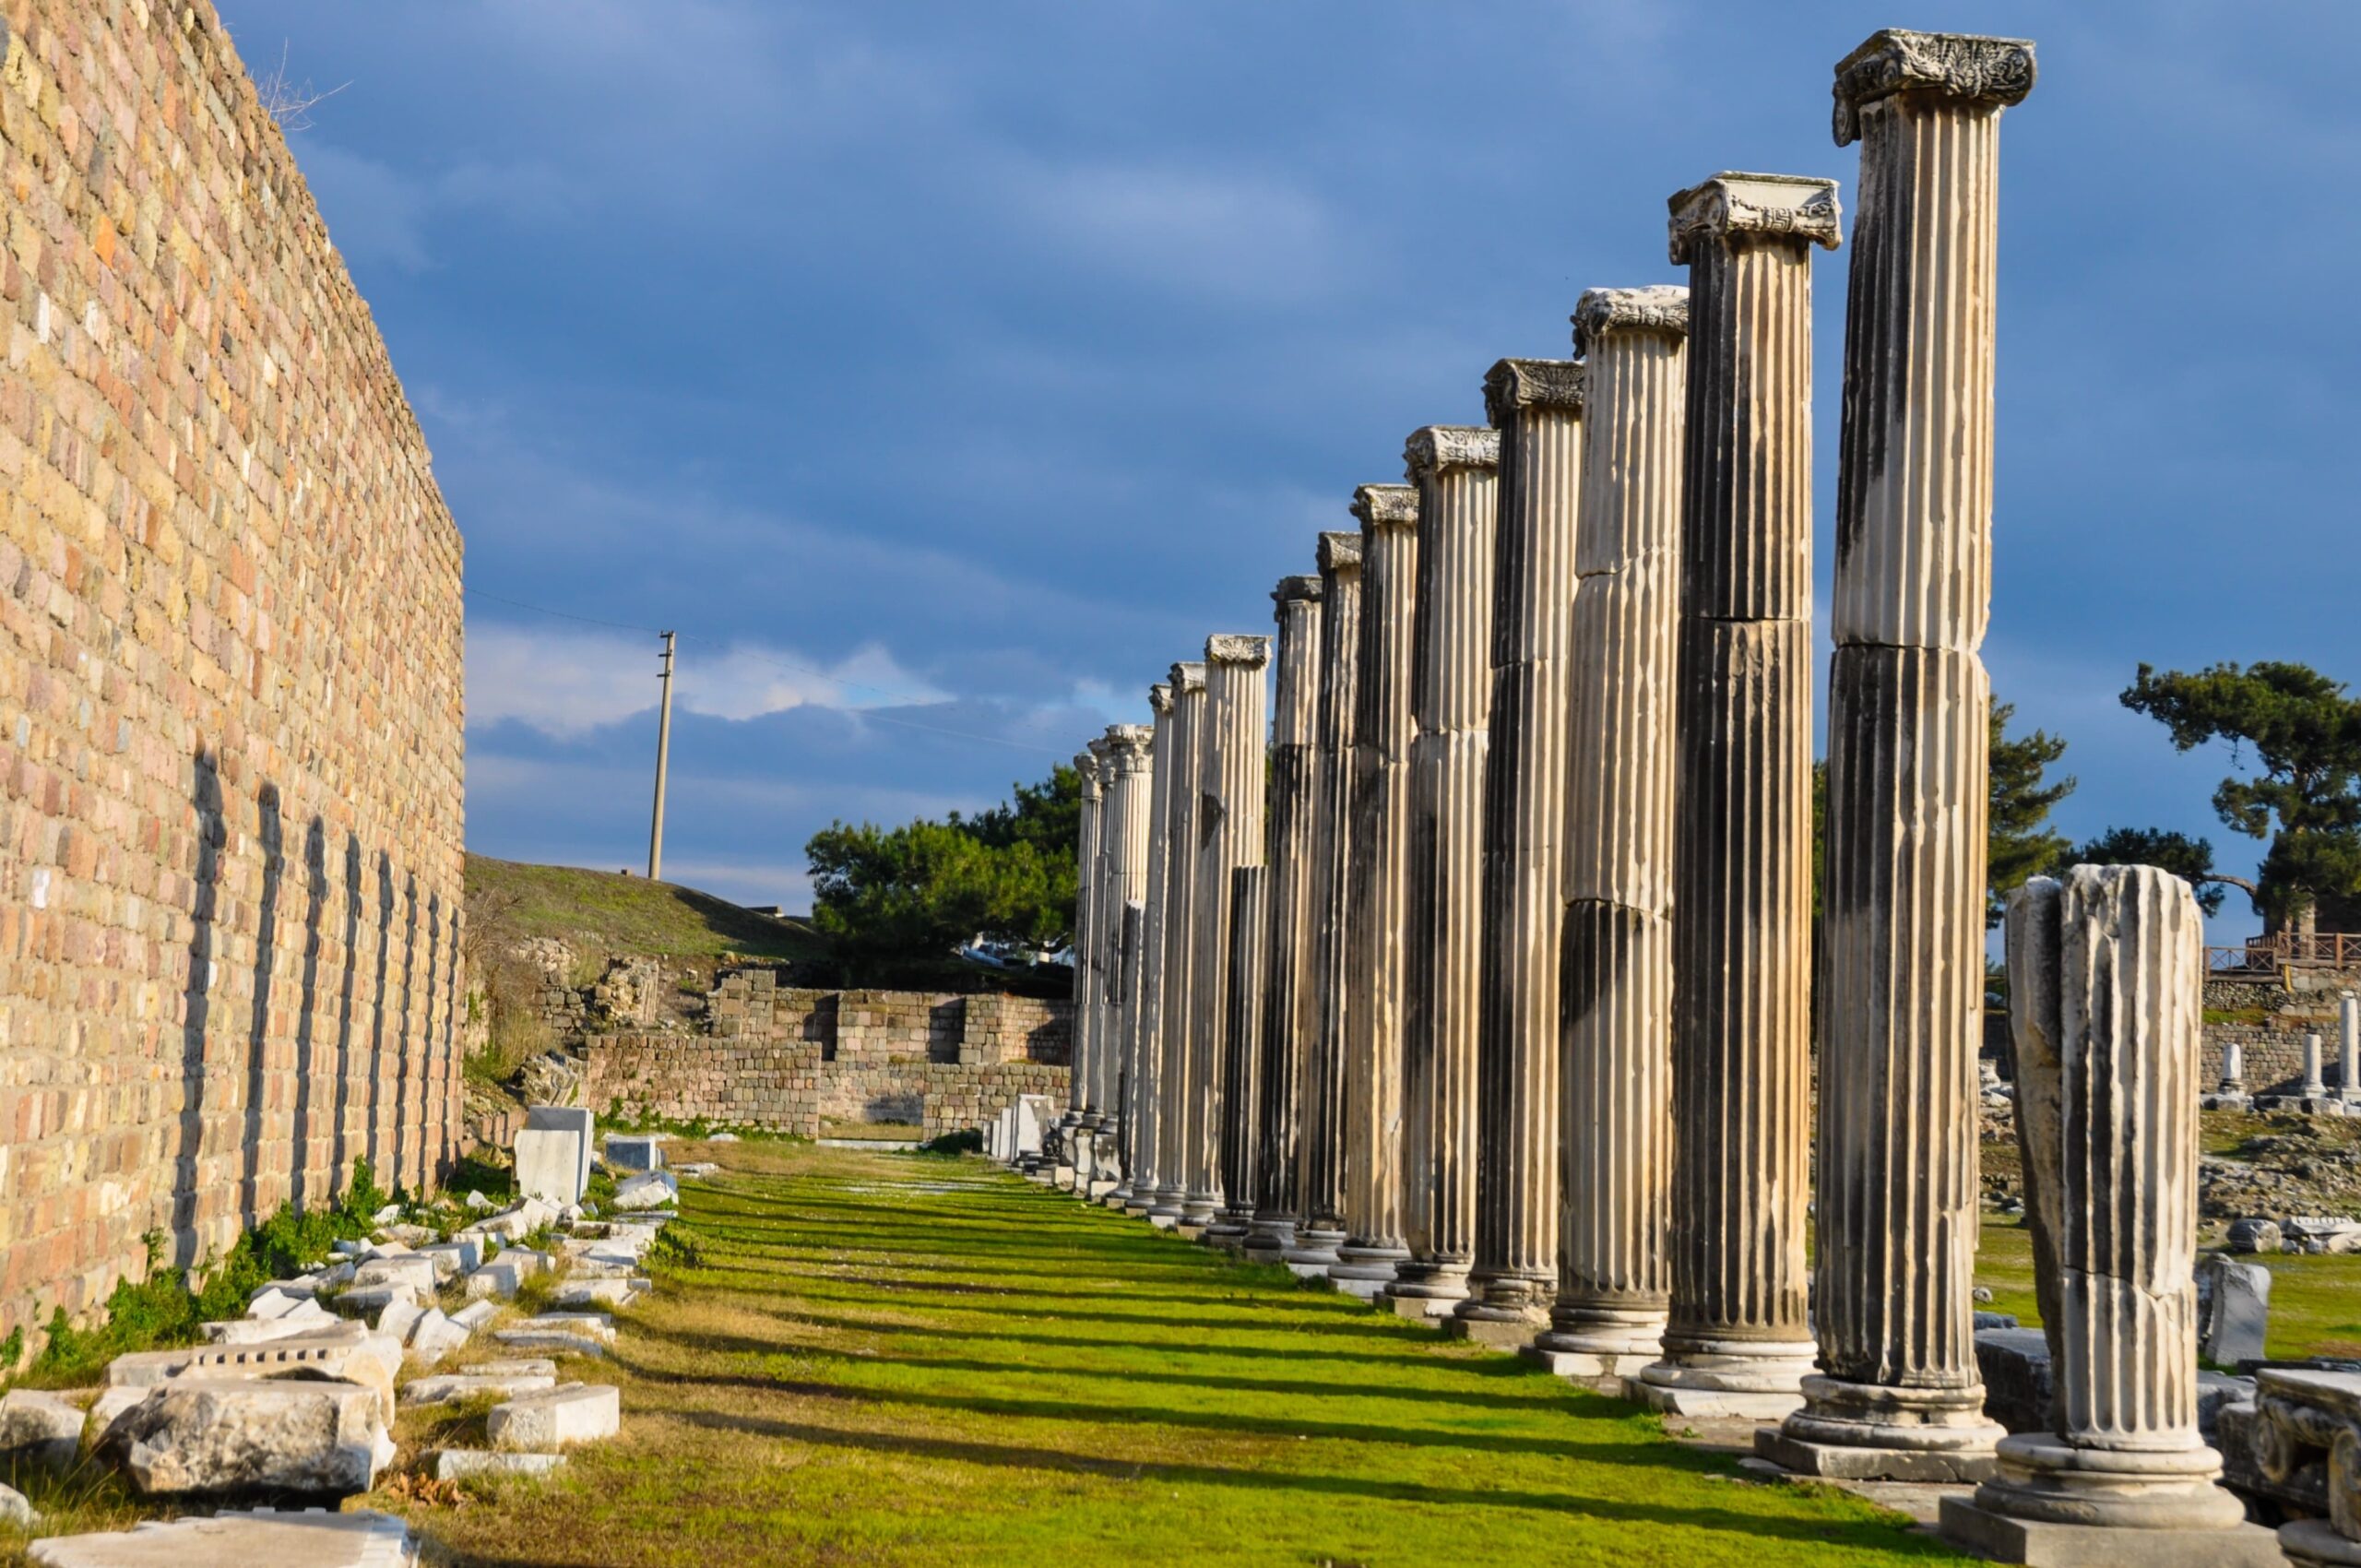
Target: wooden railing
2285	950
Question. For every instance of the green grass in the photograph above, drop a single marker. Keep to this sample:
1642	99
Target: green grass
604	912
2314	1301
857	1357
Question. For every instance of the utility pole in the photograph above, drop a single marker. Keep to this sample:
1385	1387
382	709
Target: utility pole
663	755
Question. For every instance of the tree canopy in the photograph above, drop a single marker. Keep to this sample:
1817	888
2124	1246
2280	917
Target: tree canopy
2020	841
2304	733
898	902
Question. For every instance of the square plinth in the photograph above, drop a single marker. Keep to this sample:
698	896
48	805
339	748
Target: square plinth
1367	1289
1843	1462
2044	1545
1707	1404
1420	1309
1510	1335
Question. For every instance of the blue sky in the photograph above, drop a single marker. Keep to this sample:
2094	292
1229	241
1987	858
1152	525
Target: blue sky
956	367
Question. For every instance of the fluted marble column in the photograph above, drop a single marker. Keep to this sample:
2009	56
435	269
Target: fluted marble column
1087	981
1288	996
1901	931
1123	833
1175	1147
1615	998
1143	1141
1536	405
1738	1342
1455	470
1319	1152
1377	900
1228	835
2106	971
1244	995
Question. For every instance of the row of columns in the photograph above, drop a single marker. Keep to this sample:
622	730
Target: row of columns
1507	1020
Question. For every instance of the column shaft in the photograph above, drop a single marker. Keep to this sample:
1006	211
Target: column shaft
1320	1154
1455	470
1228	835
1538	406
1174	1090
1245	988
1123	830
1289	1018
1142	1106
1902	979
1377	904
2106	973
1616	986
1738	1342
1087	978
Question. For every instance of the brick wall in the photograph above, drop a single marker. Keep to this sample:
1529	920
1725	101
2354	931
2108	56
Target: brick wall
788	1059
229	675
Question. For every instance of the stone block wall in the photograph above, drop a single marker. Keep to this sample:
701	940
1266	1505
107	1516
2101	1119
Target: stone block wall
789	1060
231	748
2269	1017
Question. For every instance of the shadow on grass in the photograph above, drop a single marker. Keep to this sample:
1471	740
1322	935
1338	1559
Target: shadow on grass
1866	1533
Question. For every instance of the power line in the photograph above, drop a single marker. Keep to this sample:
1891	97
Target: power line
736	651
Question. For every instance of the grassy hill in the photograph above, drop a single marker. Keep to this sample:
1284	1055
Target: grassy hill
604	912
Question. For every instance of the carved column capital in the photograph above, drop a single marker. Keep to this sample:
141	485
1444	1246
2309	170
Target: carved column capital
1437	449
1340	552
1159	698
1962	66
1776	206
1523	384
1658	307
1188	680
1386	506
1129	746
1230	648
1291	590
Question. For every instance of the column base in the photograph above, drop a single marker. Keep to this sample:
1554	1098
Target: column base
1269	1239
1430	1279
1312	1252
2314	1543
1759	1379
1229	1229
1481	1321
1166	1203
1861	1431
1100	1189
1201	1209
1119	1204
1601	1373
1364	1268
1164	1221
2042	1544
2045	1481
1418	1309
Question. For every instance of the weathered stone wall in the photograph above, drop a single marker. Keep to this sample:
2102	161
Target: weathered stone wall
2269	1017
231	750
790	1059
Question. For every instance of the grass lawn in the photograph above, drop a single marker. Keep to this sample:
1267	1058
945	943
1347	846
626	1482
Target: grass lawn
2314	1301
879	1358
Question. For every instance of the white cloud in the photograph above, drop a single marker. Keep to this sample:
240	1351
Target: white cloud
565	682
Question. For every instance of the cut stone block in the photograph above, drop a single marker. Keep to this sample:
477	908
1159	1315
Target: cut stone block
311	1538
579	1128
436	1337
2015	1365
348	1351
589	1325
272	1301
475	1314
655	1190
37	1428
196	1434
2042	1544
468	1464
310	1317
615	1291
445	1388
557	1341
401	1269
399	1318
2233	1310
2254	1236
543	1423
633	1151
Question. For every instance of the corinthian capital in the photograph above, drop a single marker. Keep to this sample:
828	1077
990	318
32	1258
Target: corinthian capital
1340	552
1225	647
1959	65
1659	307
1525	383
1776	205
1293	589
1187	678
1386	506
1439	448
